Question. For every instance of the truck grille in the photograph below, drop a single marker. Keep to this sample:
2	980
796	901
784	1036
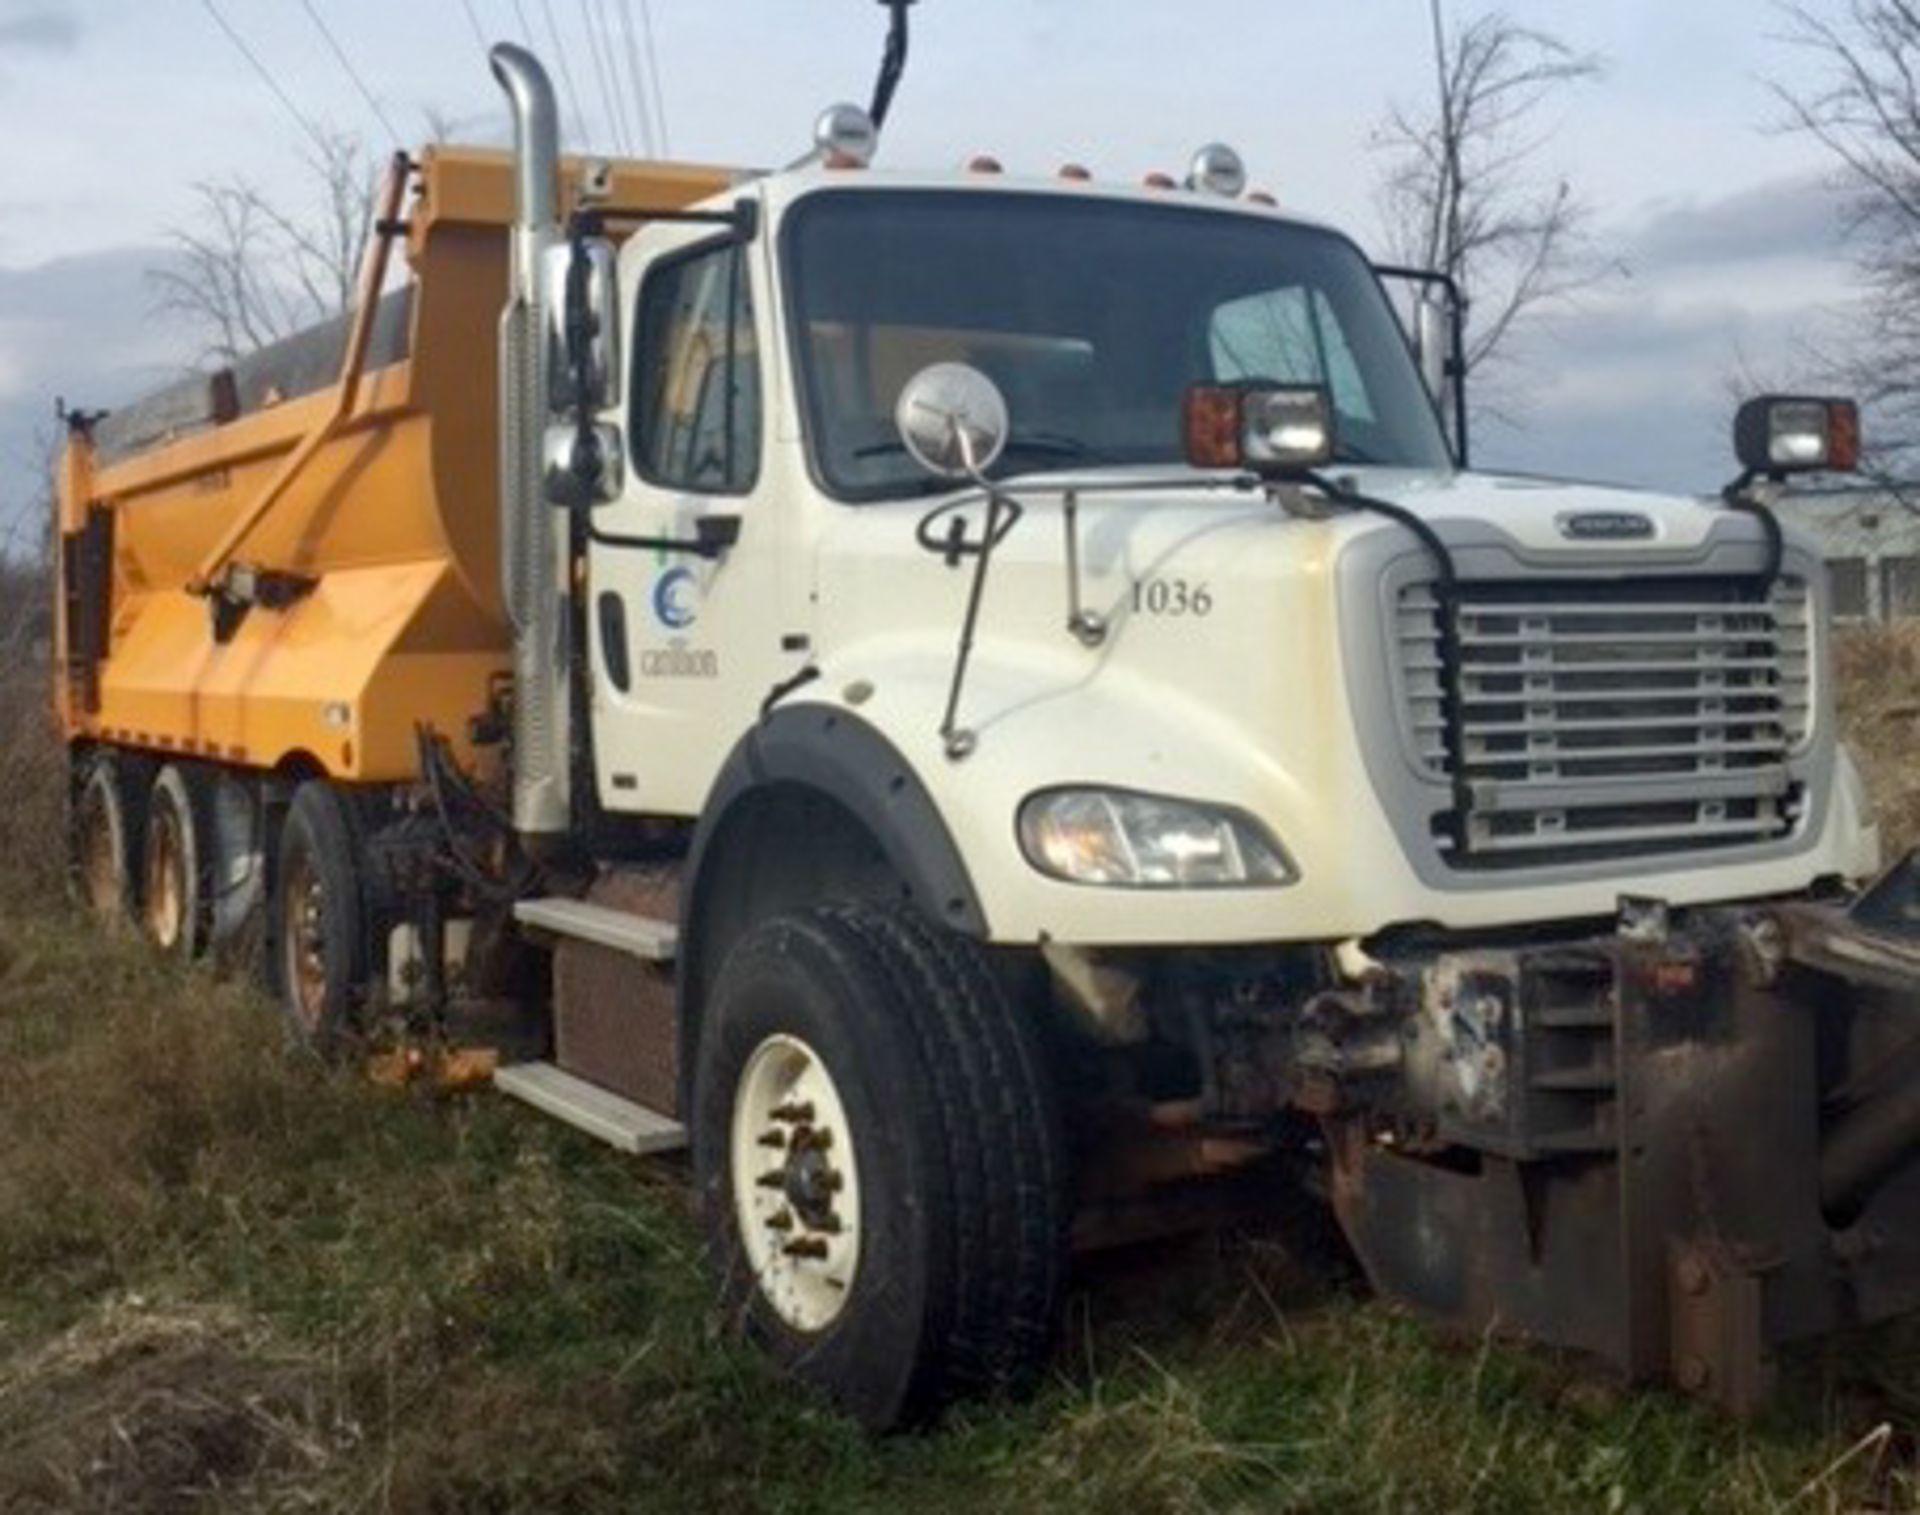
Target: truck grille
1603	720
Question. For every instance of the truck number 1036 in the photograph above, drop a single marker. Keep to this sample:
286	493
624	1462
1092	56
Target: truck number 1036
1173	597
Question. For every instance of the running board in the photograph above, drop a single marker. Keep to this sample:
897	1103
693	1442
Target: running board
587	1107
640	936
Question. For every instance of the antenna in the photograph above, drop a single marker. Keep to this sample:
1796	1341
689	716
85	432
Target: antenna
893	63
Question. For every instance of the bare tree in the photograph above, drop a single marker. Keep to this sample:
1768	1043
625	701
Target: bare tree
253	269
1865	110
1461	194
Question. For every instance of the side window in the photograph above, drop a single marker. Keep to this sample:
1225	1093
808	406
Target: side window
696	375
1288	336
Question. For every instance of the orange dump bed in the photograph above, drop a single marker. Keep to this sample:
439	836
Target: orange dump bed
390	529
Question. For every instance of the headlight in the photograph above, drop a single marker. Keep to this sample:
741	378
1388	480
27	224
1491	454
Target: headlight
1143	841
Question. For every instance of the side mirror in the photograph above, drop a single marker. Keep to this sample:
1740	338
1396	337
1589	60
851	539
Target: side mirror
1778	435
582	466
581	294
1433	345
953	420
1277	430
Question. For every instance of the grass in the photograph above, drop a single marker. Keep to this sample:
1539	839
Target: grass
232	1279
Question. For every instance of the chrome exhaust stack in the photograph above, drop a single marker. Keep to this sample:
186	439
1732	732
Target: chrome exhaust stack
533	538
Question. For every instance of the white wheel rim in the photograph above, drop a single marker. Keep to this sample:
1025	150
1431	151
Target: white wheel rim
796	1191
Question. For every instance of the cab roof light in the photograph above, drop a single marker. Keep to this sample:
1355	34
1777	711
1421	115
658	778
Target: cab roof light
1218	170
984	163
1078	173
1159	181
844	136
1261	197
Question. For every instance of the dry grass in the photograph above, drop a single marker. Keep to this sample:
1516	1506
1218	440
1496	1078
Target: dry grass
32	762
139	1406
1877	681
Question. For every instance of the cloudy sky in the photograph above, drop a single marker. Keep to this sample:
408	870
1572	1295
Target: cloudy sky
1726	231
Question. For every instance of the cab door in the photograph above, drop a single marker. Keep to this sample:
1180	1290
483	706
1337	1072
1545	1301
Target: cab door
683	569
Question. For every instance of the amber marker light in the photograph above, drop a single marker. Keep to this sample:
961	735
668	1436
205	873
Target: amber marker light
1211	426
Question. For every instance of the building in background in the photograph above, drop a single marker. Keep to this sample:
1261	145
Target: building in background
1870	538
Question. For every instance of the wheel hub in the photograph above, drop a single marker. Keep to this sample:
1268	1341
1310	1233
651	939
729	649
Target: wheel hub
810	1180
166	910
99	865
306	943
795	1186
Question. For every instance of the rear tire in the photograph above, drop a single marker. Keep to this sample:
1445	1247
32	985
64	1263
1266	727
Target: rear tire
317	931
865	1093
104	837
176	879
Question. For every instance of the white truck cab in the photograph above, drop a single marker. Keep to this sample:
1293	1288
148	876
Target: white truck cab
1250	748
1117	739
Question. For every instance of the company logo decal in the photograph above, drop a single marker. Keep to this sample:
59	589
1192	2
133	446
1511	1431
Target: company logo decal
676	599
1606	526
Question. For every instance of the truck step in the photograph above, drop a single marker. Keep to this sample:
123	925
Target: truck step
639	936
587	1107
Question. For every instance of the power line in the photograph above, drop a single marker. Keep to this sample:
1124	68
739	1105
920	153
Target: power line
632	101
639	96
313	132
526	31
653	75
616	123
566	69
353	73
479	32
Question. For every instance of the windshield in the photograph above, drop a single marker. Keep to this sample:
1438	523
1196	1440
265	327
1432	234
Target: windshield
1092	316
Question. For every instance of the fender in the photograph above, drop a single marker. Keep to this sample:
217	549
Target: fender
837	756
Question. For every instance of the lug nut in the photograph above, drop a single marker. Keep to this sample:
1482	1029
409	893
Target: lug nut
795	1111
773	1139
781	1222
806	1246
772	1179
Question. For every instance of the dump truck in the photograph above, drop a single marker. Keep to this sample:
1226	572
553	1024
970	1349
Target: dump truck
998	713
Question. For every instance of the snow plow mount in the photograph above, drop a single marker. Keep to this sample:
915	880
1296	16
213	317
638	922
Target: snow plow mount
1677	1148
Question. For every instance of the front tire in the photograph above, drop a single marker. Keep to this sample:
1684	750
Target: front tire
317	936
880	1162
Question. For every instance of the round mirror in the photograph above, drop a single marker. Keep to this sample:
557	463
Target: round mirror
952	420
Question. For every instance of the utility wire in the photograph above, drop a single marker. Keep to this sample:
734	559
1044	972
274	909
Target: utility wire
566	68
616	123
640	96
632	100
479	32
653	76
353	73
526	31
314	134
